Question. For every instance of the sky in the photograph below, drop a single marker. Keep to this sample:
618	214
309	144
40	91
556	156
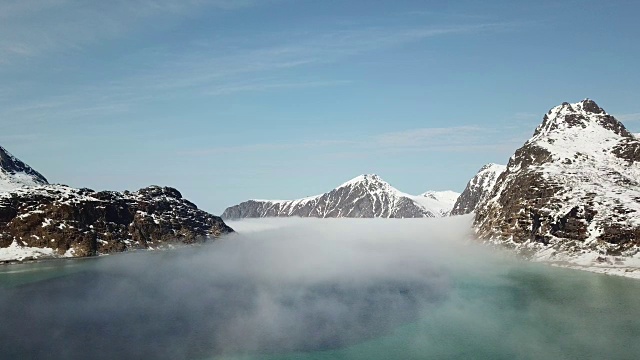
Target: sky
231	100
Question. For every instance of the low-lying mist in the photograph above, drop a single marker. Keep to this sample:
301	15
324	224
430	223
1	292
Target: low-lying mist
302	285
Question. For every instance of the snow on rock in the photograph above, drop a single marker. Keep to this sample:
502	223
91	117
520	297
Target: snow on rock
478	189
571	194
365	196
440	202
41	220
14	174
17	252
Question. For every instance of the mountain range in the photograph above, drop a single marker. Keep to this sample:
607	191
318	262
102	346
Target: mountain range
366	196
570	195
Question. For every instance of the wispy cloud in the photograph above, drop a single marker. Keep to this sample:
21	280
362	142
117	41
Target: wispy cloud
210	68
524	116
31	28
269	147
441	14
69	108
225	89
429	136
215	61
16	8
628	117
8	139
447	139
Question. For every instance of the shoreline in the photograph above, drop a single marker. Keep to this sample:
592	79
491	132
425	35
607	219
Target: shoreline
631	272
595	262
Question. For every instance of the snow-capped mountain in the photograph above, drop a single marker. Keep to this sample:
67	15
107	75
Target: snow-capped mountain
365	196
39	220
439	201
571	193
478	189
15	174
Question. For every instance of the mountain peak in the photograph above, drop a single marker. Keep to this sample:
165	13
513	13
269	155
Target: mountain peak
586	105
570	193
590	106
365	196
14	172
585	114
364	179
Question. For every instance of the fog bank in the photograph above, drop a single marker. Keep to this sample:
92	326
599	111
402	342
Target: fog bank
305	285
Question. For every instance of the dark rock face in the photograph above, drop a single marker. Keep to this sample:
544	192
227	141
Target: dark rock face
572	189
478	189
63	221
86	223
366	196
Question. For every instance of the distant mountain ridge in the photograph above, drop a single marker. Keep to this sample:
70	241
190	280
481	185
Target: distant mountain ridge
366	196
439	201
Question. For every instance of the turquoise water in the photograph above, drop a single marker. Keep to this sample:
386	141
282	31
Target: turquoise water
20	274
525	312
325	290
536	313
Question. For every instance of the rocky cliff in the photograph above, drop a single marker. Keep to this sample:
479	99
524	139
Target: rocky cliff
571	193
42	220
478	189
365	196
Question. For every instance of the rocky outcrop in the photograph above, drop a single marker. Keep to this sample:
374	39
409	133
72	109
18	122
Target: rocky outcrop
478	189
55	220
366	196
571	192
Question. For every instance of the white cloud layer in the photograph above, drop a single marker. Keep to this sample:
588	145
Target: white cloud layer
362	288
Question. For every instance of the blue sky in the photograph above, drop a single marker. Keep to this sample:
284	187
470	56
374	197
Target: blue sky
230	100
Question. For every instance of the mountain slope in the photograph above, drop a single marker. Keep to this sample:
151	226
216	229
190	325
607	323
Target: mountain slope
478	189
40	220
365	196
15	174
571	193
440	202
